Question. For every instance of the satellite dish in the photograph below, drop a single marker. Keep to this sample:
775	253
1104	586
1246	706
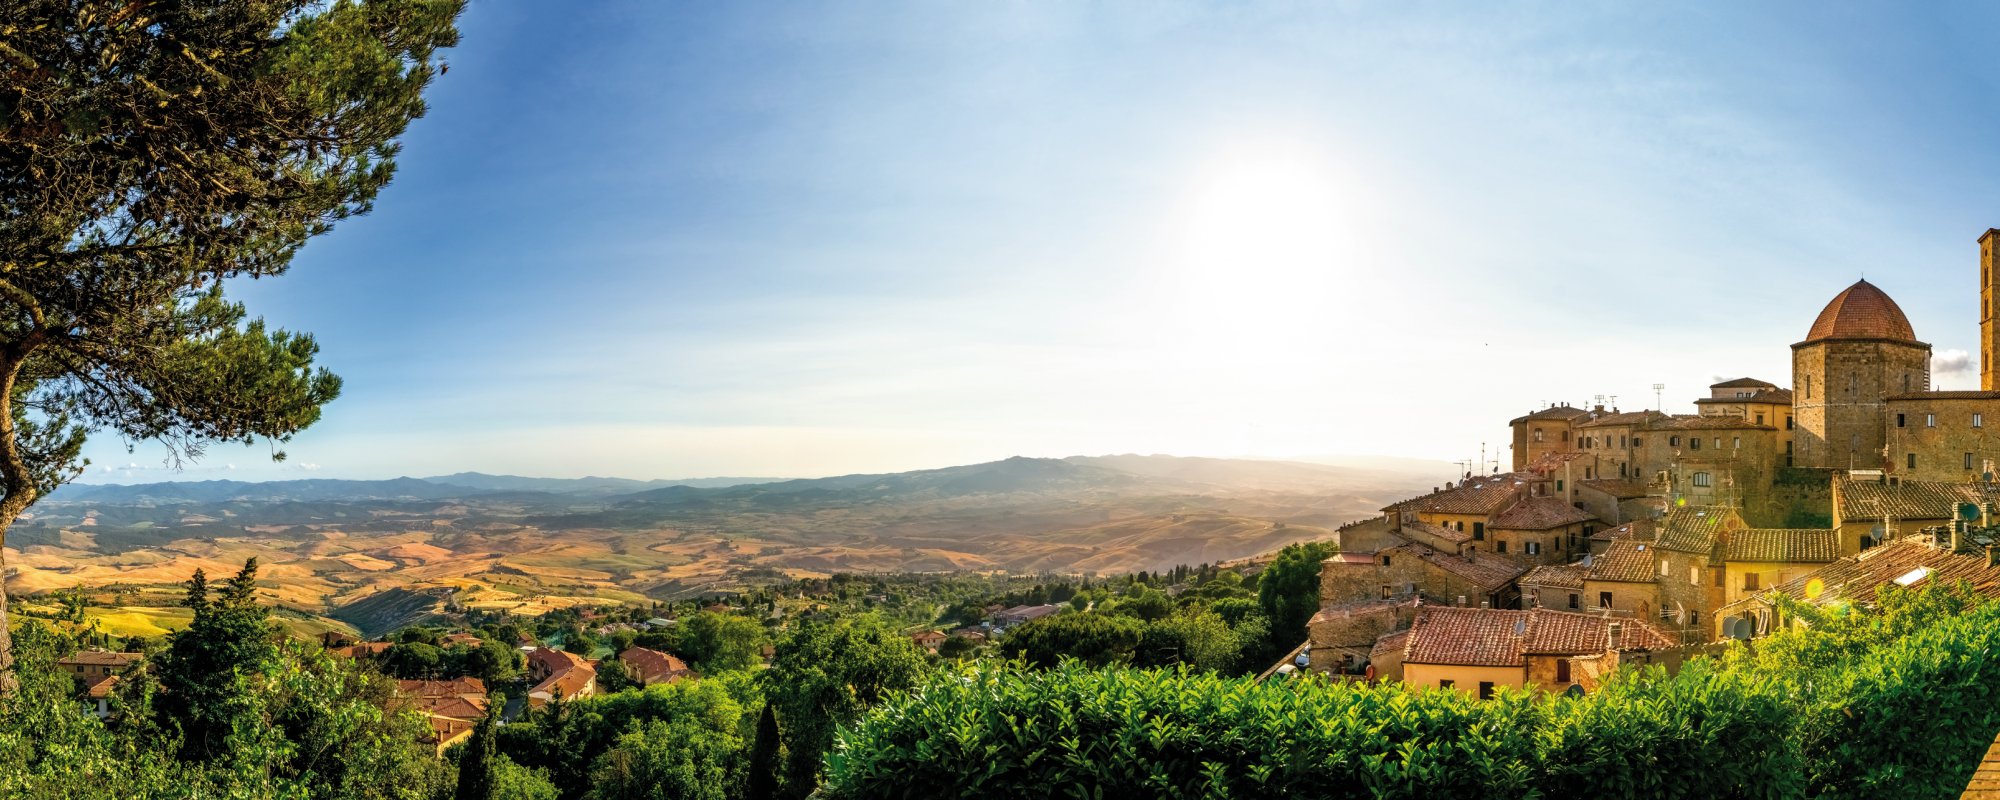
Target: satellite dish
1575	690
1968	511
1741	628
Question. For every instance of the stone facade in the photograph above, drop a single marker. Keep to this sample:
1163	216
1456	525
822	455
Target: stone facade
1841	390
1943	436
1989	311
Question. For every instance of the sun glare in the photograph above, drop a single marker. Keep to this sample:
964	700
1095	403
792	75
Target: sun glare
1264	245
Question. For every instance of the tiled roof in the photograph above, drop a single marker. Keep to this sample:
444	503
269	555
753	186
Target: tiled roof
456	707
1624	418
1616	487
1783	545
100	688
1447	534
1625	561
1855	578
1540	514
1484	570
1693	529
568	683
1773	396
1389	643
1567	576
1641	529
1478	495
1906	500
1861	312
553	661
1554	412
1501	638
100	658
456	686
1743	383
653	666
1698	422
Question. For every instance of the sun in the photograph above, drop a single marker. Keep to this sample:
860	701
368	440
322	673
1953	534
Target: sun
1263	242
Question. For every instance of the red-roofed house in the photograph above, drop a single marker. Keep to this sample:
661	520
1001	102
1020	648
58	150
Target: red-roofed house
928	640
1478	650
652	666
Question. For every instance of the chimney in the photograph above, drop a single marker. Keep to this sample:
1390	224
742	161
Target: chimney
1461	601
1992	556
1617	631
1957	536
1483	604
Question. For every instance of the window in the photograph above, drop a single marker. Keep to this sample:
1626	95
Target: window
1899	421
1673	441
1694	443
1718	443
1573	601
1979	420
1445	683
1808	387
1385	561
1501	547
1461	526
1968	461
1930	420
1604	599
1533	548
1788	423
1562	670
1625	442
1663	569
1749	581
1538	434
1913	461
1638	441
1760	419
1738	443
1701	479
1694	575
1485	690
1385	591
1559	484
1478	531
1718	577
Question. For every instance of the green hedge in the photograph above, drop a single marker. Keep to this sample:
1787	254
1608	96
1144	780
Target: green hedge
1902	715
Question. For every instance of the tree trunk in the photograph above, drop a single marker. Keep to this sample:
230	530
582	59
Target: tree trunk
17	490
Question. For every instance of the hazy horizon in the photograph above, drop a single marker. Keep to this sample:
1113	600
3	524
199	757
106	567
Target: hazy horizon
646	239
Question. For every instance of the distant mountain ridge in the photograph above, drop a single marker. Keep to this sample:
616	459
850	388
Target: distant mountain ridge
442	487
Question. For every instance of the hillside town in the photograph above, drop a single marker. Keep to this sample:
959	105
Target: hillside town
1646	537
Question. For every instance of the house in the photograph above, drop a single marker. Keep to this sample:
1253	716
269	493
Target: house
1008	618
1479	650
928	640
652	666
974	635
459	698
1870	508
92	665
544	662
448	731
1757	558
1911	562
559	675
361	650
462	639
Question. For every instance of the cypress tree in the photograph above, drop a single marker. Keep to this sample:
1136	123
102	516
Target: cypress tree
475	765
764	761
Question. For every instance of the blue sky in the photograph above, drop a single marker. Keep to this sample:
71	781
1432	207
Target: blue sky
678	239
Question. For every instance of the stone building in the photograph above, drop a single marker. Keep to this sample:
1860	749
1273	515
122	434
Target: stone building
1542	432
1858	353
1944	436
1478	651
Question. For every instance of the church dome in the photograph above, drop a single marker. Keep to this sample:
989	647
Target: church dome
1862	312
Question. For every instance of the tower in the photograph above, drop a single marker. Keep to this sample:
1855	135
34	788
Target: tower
1989	315
1860	351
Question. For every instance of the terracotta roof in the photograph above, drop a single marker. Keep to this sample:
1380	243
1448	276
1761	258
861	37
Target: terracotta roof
1906	500
1553	412
1693	529
1625	418
568	683
1502	638
1625	561
1641	529
1861	312
455	686
1743	383
1717	422
101	688
1567	576
1783	545
100	658
1620	488
1484	570
446	730
1389	643
1478	495
1776	396
553	661
1540	514
1855	578
653	666
1447	534
456	707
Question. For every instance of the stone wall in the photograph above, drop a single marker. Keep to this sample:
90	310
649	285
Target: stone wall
1839	393
1947	437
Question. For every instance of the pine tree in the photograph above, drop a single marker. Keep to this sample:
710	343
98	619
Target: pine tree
765	760
475	765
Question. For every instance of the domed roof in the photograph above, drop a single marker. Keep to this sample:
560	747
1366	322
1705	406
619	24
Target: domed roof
1862	312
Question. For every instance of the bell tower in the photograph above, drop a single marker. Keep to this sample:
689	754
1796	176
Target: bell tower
1989	315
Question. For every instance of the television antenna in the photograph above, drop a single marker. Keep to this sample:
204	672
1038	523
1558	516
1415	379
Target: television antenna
1658	389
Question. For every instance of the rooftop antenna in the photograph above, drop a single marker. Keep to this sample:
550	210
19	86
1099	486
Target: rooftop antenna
1658	388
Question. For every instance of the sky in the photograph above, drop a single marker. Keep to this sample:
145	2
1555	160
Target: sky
667	240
